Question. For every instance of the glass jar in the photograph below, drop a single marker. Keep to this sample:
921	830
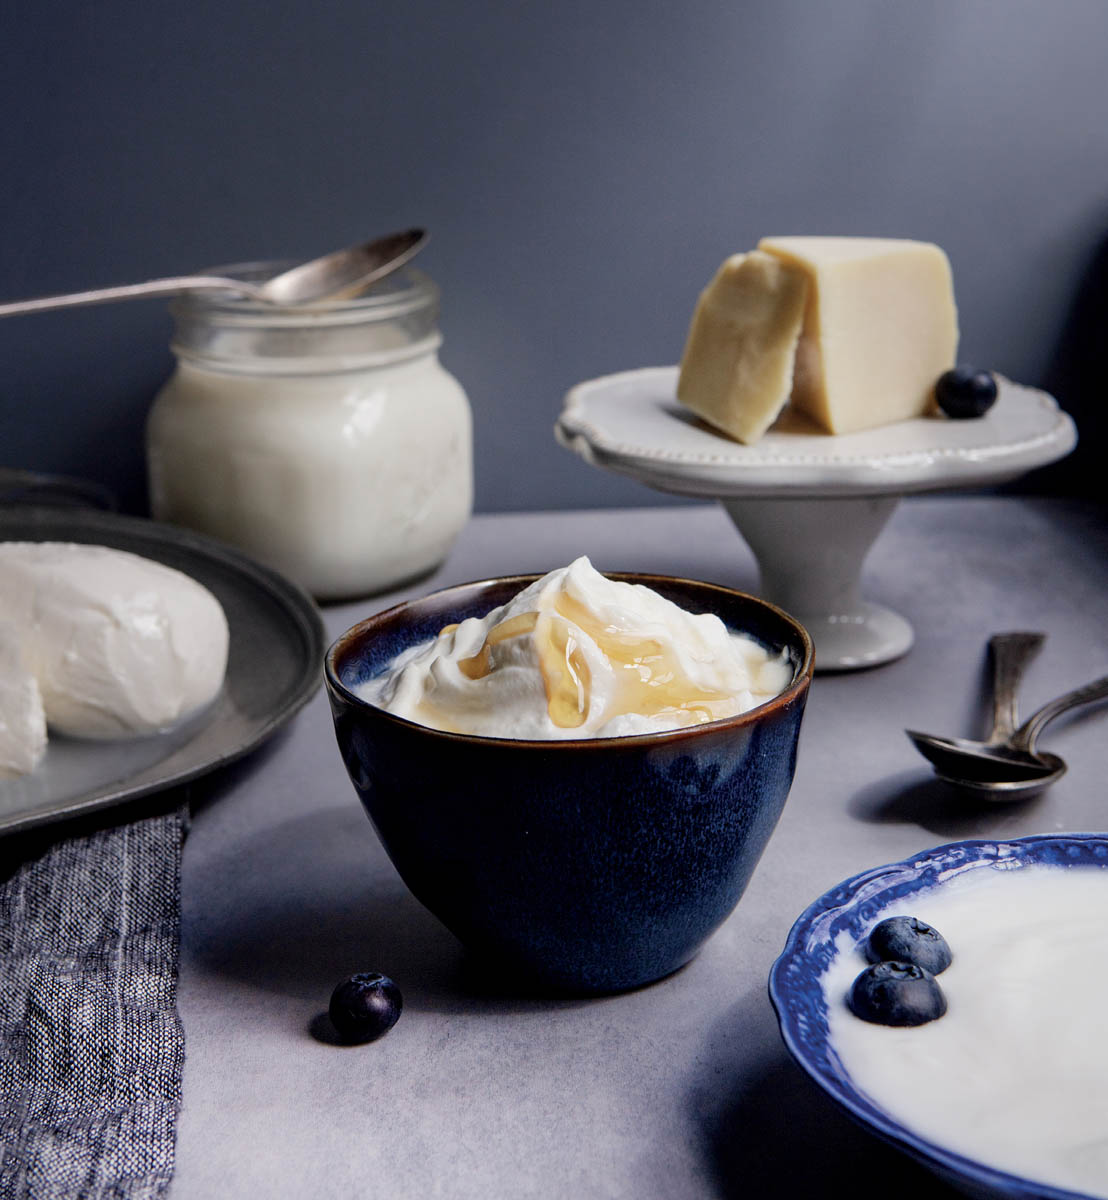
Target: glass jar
330	444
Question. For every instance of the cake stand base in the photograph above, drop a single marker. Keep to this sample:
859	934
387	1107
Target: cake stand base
810	552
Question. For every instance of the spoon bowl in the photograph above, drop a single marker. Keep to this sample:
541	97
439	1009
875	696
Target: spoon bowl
973	758
994	771
341	275
1027	780
1012	769
327	280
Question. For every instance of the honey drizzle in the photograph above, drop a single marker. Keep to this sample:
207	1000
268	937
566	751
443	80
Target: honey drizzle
649	681
565	673
648	678
478	665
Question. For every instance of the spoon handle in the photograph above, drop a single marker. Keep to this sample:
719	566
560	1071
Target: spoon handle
1010	652
1024	738
128	291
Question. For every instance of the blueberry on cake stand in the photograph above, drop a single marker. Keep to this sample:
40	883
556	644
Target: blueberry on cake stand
811	506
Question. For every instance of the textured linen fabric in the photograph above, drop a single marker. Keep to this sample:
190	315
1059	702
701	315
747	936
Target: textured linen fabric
91	1046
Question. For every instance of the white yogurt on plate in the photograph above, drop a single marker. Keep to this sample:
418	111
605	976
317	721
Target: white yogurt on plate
1015	1075
576	655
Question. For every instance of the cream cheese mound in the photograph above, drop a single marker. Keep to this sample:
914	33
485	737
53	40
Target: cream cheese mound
22	720
576	655
119	645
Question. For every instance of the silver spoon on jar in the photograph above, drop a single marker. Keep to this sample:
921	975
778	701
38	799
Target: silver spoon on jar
337	276
1011	769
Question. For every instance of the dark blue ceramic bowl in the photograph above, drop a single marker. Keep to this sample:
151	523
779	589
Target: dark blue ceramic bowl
795	986
591	865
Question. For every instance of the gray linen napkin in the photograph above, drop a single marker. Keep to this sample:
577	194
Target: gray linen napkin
91	1046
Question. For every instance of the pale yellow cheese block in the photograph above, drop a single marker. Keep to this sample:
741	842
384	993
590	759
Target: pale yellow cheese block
737	368
880	327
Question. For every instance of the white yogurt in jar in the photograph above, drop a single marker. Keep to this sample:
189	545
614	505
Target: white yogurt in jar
1015	1075
331	445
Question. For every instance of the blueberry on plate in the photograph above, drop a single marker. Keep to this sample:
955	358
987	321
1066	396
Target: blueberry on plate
897	993
964	393
908	939
365	1007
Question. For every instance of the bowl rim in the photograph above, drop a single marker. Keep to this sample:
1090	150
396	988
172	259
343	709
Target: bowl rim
796	690
796	1030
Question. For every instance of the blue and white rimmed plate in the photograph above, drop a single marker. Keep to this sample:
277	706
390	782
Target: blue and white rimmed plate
840	919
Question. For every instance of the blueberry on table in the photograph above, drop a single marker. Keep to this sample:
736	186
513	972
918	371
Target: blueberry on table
897	993
908	939
964	393
365	1007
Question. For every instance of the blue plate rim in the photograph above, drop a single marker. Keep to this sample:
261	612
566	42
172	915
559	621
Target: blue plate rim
916	872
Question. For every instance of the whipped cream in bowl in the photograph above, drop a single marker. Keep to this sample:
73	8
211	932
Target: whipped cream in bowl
577	655
576	773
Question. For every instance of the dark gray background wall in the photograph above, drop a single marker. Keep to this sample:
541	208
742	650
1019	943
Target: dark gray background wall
583	167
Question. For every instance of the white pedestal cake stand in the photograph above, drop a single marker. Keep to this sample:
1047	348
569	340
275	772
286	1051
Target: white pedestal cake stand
811	506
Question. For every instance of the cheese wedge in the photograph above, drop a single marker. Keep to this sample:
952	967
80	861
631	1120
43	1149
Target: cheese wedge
880	327
737	368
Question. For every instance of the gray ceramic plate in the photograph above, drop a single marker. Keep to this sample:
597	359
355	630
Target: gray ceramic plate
274	669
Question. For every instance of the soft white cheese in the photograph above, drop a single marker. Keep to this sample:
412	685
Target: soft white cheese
576	655
118	644
22	720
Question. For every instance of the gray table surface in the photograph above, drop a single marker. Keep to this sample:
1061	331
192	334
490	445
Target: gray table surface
681	1089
